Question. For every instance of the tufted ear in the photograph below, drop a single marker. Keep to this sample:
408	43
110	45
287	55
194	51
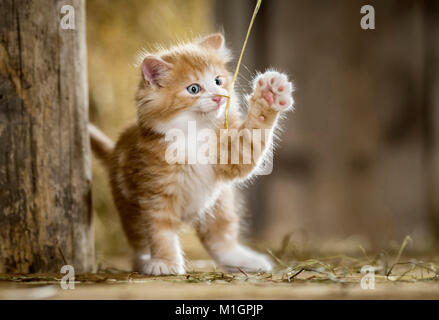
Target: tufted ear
217	43
213	41
155	71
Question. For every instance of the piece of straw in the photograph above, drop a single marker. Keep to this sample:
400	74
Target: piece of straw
255	12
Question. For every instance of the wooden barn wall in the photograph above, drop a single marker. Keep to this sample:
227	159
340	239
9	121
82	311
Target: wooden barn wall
359	154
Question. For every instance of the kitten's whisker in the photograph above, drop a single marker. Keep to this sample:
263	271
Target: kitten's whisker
216	95
241	76
252	74
210	97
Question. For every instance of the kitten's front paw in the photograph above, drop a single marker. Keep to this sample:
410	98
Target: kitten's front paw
157	267
275	89
246	259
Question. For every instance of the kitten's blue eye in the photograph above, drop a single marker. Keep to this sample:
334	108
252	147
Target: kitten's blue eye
218	81
194	88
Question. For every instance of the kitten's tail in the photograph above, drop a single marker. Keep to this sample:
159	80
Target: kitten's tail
101	145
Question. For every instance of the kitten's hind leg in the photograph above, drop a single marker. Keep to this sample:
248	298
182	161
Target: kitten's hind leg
219	234
140	258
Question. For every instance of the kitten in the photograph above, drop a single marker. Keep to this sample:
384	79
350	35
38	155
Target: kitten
188	83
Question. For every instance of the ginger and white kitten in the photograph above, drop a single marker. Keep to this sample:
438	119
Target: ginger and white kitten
184	83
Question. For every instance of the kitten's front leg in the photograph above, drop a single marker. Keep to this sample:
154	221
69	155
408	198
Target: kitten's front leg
272	94
166	256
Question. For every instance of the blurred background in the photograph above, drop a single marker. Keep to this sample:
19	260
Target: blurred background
358	160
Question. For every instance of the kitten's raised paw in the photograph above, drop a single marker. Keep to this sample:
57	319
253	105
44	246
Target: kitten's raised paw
157	267
275	89
245	259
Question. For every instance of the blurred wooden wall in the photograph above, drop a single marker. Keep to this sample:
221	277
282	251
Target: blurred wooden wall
431	114
360	154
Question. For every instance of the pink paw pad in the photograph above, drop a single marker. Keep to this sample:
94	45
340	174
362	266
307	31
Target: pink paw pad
275	89
269	97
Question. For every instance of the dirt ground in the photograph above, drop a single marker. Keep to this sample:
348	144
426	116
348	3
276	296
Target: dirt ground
304	280
211	286
298	274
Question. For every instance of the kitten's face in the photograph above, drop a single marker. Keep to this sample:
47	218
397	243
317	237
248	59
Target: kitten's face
202	91
185	82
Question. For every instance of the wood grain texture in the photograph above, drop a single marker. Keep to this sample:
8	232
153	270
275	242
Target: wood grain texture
45	203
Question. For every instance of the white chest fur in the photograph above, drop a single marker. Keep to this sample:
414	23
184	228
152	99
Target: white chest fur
196	189
199	189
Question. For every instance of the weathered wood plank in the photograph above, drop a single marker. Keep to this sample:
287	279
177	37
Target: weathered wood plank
45	206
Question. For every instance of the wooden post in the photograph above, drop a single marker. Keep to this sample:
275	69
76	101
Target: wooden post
45	203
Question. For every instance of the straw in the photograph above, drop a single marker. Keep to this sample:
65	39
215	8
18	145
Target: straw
235	76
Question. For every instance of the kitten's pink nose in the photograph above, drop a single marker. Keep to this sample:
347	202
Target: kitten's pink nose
217	99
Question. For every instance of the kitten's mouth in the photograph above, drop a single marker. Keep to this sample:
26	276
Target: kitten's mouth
214	109
217	108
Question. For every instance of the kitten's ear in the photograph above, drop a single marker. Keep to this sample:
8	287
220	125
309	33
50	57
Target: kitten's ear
217	43
213	41
155	71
